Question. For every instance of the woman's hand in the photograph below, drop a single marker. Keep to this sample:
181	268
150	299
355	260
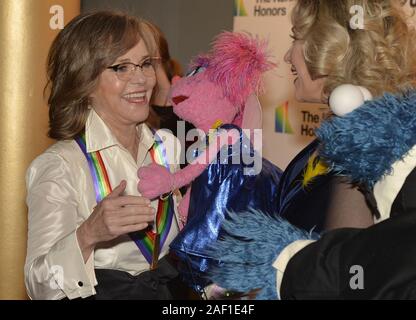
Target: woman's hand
115	215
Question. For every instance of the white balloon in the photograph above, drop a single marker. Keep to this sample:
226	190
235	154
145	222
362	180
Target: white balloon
345	98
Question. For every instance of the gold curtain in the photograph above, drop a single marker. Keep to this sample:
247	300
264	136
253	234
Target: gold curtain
27	28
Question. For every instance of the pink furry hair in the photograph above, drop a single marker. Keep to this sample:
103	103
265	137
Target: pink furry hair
235	63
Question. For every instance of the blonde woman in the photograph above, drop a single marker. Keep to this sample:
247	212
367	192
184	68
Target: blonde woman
325	54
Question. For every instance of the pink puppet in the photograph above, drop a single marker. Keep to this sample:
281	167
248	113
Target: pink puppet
221	89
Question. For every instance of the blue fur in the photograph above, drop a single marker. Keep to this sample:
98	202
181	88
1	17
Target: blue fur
366	142
251	243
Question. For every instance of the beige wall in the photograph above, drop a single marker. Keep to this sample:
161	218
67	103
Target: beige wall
25	37
189	25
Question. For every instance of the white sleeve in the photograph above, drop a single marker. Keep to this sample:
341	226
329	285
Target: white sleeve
54	265
283	259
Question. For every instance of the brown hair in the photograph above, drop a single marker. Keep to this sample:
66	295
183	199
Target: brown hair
380	57
81	51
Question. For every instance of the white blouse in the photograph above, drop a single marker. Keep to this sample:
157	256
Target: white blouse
61	196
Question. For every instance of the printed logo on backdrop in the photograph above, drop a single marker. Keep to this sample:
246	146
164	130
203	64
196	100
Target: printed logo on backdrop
239	9
282	124
311	120
306	120
261	8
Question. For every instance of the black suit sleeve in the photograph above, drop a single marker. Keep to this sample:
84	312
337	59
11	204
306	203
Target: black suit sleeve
374	263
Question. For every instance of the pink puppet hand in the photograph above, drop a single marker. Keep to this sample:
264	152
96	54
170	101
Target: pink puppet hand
155	180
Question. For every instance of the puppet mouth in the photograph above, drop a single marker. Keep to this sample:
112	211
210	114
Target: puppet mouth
178	99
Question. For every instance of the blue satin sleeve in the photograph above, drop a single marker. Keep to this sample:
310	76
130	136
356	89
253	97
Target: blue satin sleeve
227	185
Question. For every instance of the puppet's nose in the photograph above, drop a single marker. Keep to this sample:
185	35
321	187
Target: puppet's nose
176	79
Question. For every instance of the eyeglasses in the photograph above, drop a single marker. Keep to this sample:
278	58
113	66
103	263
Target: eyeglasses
126	70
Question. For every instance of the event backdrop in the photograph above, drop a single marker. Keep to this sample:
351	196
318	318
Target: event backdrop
287	125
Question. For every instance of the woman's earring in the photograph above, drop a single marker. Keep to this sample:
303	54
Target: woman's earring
347	97
89	103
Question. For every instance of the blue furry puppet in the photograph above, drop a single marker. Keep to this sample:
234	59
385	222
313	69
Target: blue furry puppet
374	146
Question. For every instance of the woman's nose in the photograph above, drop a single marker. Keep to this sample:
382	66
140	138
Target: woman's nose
138	76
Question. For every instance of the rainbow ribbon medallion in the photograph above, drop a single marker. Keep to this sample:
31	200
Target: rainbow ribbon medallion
148	241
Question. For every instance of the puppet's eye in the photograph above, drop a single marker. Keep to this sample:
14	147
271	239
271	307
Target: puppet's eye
195	71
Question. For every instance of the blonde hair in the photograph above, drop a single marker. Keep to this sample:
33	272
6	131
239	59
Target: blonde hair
380	57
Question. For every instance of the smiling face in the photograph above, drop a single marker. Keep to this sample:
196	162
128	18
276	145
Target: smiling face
306	89
201	102
124	102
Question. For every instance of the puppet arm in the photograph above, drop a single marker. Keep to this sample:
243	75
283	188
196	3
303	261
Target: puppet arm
156	180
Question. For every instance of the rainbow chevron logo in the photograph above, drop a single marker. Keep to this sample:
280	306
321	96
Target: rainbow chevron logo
282	124
239	9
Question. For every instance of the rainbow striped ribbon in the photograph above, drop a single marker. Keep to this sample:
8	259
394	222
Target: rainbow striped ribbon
148	241
98	171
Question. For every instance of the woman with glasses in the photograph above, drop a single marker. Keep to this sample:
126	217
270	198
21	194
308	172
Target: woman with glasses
90	231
